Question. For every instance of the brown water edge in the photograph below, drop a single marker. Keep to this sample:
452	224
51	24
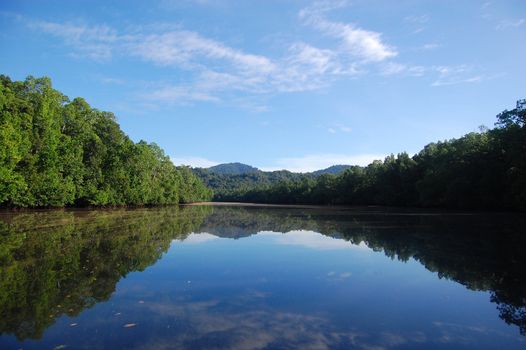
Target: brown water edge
364	209
265	205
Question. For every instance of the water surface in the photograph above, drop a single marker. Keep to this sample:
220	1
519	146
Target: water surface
262	278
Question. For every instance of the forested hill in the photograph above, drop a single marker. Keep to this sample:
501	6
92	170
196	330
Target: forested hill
55	152
230	181
481	170
233	169
334	170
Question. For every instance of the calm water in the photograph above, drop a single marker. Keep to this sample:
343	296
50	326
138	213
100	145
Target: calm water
262	278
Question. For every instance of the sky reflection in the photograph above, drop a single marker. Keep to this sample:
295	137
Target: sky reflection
228	279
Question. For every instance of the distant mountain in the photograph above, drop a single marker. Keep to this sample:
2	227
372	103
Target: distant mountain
241	169
227	180
335	170
233	169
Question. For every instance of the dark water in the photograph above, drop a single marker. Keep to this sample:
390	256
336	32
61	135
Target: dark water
262	278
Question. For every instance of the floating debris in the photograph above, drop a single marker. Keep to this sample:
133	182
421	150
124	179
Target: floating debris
73	324
129	325
141	301
117	314
61	346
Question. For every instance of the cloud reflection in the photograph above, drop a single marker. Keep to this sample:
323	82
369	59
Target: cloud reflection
313	240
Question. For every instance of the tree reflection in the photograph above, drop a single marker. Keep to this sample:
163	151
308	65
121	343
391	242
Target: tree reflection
483	252
60	263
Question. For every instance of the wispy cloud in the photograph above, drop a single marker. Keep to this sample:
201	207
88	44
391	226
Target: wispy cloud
453	75
419	19
216	69
356	42
443	75
95	42
418	22
110	80
430	46
188	49
179	95
505	24
198	238
339	128
312	162
394	68
216	72
314	240
196	162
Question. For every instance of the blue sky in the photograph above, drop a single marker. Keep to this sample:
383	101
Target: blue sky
298	85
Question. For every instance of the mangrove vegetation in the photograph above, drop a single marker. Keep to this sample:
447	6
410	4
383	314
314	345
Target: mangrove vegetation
57	152
481	170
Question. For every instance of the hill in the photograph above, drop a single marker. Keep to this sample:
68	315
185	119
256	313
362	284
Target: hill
335	170
233	169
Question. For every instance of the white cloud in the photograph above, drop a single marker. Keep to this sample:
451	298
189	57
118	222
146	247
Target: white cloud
198	238
95	42
319	60
505	24
214	66
357	42
418	22
394	68
430	46
420	19
485	5
339	127
314	162
313	240
215	70
179	94
188	48
195	162
453	75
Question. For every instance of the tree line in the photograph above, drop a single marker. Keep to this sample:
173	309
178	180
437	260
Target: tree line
230	187
55	152
481	170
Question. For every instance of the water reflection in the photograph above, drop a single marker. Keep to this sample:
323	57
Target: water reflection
55	264
484	252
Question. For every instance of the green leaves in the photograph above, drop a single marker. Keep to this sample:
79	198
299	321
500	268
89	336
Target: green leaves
58	153
479	170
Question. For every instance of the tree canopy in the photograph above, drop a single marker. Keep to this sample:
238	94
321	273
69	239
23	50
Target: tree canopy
55	152
481	170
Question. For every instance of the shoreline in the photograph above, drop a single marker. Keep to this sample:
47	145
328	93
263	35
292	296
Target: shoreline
369	209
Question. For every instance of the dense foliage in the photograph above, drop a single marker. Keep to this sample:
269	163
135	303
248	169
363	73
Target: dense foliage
234	186
233	169
56	152
484	169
